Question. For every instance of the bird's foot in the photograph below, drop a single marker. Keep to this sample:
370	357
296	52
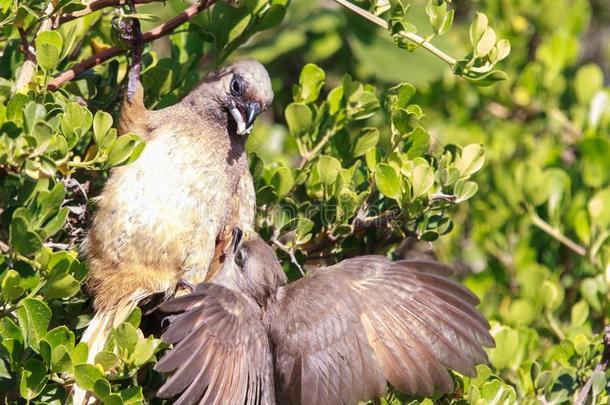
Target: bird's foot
185	284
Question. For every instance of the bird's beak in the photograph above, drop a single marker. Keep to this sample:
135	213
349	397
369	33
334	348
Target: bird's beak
237	237
244	119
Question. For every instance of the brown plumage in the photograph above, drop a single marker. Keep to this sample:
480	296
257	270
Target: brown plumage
162	218
333	337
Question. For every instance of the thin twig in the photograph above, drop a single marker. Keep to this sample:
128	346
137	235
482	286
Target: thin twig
157	32
411	36
603	364
555	233
312	153
290	252
358	226
95	6
136	55
28	49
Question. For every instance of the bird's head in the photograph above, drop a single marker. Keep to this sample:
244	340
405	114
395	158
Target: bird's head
241	90
251	268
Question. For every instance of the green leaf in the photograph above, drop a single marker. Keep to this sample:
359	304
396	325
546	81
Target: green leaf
487	79
367	138
86	375
486	43
102	389
440	18
61	286
123	148
75	122
80	353
34	317
588	81
272	17
143	351
388	180
303	230
503	49
478	28
48	49
56	223
126	337
282	181
581	344
372	157
132	395
11	290
422	180
599	208
311	81
299	118
60	360
552	294
471	160
23	239
106	359
464	190
579	314
239	27
33	379
102	122
507	345
595	162
590	290
327	168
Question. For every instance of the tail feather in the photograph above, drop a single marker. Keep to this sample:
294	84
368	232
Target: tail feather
96	336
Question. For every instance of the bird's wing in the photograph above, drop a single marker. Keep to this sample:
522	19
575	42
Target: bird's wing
221	352
340	333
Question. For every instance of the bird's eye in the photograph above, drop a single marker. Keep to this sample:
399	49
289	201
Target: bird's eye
240	258
237	88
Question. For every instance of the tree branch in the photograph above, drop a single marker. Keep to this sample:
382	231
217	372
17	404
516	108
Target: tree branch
410	36
555	233
157	32
94	6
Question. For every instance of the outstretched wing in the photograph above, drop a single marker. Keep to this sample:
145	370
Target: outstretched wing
340	333
221	352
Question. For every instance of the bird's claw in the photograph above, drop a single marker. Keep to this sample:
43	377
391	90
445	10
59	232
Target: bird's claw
185	284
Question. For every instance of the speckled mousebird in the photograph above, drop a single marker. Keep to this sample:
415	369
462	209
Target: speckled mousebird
333	337
165	217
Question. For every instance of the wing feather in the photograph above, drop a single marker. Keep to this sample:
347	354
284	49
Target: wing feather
221	351
341	332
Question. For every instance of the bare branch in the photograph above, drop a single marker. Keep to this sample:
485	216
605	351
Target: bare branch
555	233
157	32
410	36
95	6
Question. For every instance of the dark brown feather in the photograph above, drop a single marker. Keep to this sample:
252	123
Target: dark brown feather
219	342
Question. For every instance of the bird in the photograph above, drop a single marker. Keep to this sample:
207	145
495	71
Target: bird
336	336
165	219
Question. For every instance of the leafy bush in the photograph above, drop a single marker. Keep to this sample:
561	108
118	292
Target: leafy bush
351	160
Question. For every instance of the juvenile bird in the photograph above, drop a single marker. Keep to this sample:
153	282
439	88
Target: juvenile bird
333	337
165	217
